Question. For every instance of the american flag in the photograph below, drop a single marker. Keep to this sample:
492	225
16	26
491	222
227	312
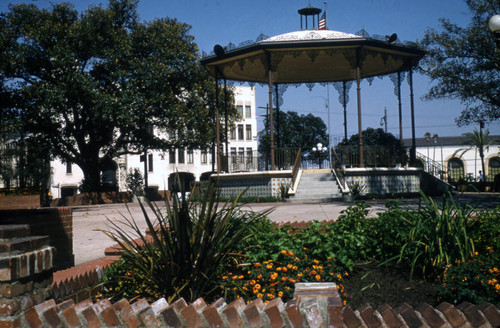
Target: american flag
322	22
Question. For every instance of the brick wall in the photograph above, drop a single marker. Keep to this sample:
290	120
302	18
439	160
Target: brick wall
23	201
57	223
26	264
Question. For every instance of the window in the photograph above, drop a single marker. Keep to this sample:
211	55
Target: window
233	153
249	155
171	156
181	156
248	111
240	132
232	133
150	162
493	168
455	170
248	129
240	110
190	157
204	157
241	154
69	168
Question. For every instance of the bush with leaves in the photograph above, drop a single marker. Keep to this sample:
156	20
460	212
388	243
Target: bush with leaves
277	278
190	245
475	280
134	181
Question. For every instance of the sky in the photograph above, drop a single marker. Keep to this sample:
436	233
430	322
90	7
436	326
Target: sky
224	21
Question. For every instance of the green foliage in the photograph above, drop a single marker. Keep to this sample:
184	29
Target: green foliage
465	63
438	236
475	280
480	141
192	243
295	131
385	147
92	84
277	278
445	243
134	181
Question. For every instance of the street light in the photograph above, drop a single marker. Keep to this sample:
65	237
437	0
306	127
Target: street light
320	149
494	25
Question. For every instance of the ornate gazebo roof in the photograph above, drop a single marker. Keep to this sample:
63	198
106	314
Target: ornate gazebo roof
312	56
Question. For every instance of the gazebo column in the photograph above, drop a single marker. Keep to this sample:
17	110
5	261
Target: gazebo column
271	123
413	151
226	126
217	122
344	91
400	111
360	126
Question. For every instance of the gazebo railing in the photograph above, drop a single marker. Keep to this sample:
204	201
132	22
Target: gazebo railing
374	156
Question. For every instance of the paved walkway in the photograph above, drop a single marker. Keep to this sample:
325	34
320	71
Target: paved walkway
89	241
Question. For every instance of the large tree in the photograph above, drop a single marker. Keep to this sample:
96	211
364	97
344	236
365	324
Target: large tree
93	84
380	149
295	131
465	63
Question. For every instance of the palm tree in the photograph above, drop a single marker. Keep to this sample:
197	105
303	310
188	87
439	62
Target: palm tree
477	140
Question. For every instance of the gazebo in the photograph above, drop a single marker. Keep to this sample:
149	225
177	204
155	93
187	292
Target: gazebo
312	56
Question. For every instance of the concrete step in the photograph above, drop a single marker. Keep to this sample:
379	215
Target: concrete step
317	187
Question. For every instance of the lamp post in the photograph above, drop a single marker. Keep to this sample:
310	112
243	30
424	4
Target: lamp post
320	149
494	25
427	137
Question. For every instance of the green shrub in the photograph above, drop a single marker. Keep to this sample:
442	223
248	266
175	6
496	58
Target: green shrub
439	236
276	278
192	243
474	280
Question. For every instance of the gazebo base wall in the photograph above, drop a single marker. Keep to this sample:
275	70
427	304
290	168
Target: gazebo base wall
384	181
259	184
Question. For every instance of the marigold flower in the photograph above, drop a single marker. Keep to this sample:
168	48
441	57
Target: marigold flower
295	268
241	277
269	266
290	253
252	282
317	277
278	269
257	265
289	265
280	294
315	262
257	286
285	269
224	277
235	277
259	295
284	252
497	286
259	276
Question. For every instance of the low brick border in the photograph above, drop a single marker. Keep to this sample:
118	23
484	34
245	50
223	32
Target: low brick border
313	313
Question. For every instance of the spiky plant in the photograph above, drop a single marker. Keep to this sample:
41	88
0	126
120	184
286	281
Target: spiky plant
188	246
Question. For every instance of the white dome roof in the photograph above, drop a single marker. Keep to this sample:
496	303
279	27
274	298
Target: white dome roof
308	35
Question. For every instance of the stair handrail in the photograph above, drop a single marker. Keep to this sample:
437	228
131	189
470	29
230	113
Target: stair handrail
432	167
338	169
296	166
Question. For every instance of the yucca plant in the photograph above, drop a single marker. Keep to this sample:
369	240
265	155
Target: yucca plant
188	246
439	236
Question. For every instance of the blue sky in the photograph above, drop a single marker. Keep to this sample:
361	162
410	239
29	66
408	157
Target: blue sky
223	21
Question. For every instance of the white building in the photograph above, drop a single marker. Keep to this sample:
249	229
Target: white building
445	156
67	177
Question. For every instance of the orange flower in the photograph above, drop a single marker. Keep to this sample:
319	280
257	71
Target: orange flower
257	265
280	294
259	276
284	252
317	277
